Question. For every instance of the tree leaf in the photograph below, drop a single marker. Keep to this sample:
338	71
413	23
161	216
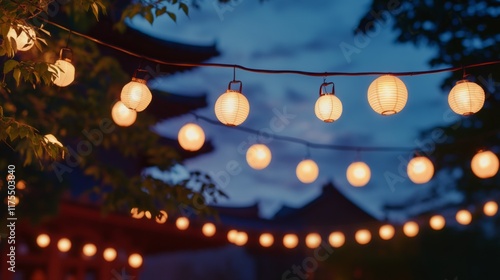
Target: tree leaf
9	65
95	10
17	76
149	16
184	8
172	16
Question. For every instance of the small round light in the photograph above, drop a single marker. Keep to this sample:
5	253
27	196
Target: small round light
89	249
484	164
410	229
358	174
182	223
122	115
290	240
148	215
109	254
420	170
191	137
208	229
64	245
328	108
258	156
307	171
24	37
386	232
241	238
336	239
232	108
363	236
136	214
466	98
162	218
43	240
387	95
135	260
437	222
136	95
65	73
464	217
490	208
266	240
21	185
231	235
313	240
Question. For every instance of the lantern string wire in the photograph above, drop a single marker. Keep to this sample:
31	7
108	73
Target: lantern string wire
270	71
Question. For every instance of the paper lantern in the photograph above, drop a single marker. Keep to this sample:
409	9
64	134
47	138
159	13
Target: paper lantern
135	260
64	70
313	240
162	218
241	238
191	137
232	107
307	171
490	208
437	222
208	229
109	254
484	164
387	95
386	232
64	245
136	95
358	174
290	240
136	214
464	217
43	240
122	115
258	156
420	170
182	223
328	107
24	37
231	235
363	236
266	240
89	249
410	229
336	239
466	98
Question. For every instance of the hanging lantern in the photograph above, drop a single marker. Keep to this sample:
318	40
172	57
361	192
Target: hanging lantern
490	208
43	240
182	223
266	240
231	235
336	239
328	107
64	70
386	232
420	170
136	94
363	236
89	250
387	95
64	245
410	229
485	164
191	137
208	229
258	156
358	174
437	222
466	98
24	37
464	217
109	254
232	107
122	115
162	218
290	240
307	171
241	238
135	260
313	240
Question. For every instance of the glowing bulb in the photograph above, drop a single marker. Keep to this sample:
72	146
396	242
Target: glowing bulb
290	240
182	223
109	254
232	108
122	115
463	217
64	245
363	236
386	232
258	156
89	249
420	170
43	240
307	171
387	95
162	218
266	240
208	229
410	229
336	239
466	98
135	260
191	137
136	95
485	164
241	238
24	37
21	185
313	240
437	222
358	174
490	208
231	235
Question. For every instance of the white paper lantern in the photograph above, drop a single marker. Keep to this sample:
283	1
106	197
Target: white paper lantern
437	222
410	229
363	236
464	217
466	98
258	156
313	240
386	232
336	239
136	95
485	164
191	137
307	171
420	170
290	240
122	115
358	174
208	229
266	240
24	37
232	108
387	95
328	107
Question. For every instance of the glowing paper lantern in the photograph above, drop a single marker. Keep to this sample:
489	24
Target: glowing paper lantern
135	260
231	235
466	98
122	115
241	238
437	222
363	236
358	174
410	229
208	229
328	107
64	245
386	232
484	164
336	239
162	218
387	95
490	208
89	249
307	171
64	70
136	95
136	214
24	37
420	170
290	240
182	223
258	156
464	217
43	240
148	214
109	254
313	240
191	137
232	107
266	240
